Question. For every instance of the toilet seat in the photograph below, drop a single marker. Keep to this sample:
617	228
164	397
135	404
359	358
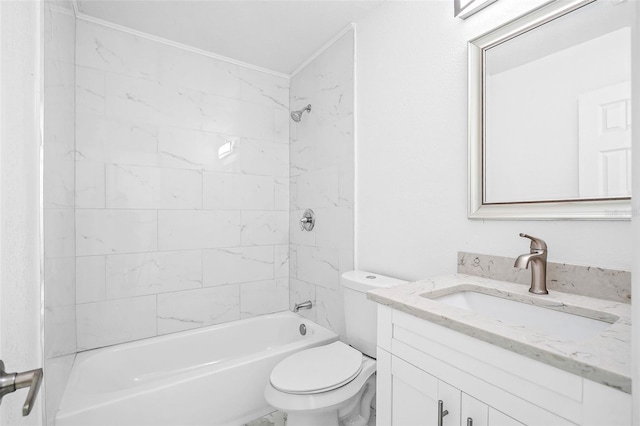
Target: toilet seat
317	370
323	400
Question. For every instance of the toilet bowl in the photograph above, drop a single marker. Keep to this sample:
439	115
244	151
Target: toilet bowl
328	386
334	384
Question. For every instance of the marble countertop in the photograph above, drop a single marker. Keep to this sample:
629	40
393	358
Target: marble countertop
604	358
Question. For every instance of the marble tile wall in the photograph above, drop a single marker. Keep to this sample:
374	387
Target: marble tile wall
182	189
58	195
589	281
322	179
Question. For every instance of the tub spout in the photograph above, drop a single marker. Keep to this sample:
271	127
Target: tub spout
304	305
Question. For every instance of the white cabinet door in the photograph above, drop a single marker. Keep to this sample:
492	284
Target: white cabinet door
496	418
450	398
415	397
476	411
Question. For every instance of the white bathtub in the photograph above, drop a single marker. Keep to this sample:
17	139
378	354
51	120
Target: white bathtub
209	376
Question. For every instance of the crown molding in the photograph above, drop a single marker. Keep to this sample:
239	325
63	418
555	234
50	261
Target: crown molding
331	42
141	34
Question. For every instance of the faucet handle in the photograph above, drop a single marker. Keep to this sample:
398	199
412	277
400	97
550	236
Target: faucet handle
536	243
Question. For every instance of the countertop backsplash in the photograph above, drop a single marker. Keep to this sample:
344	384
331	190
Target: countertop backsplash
589	281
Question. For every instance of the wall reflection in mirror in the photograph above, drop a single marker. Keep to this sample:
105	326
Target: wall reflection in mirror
557	109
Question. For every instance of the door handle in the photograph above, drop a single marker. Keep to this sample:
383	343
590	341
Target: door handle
11	382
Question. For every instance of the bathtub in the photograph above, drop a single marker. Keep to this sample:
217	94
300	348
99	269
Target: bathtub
208	376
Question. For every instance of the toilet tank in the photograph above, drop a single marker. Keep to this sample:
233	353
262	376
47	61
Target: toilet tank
360	313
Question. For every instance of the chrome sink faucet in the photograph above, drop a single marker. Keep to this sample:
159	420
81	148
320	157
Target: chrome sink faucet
537	257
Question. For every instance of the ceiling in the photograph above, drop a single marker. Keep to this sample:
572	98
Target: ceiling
276	35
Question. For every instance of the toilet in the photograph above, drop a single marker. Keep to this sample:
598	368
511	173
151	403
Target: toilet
334	384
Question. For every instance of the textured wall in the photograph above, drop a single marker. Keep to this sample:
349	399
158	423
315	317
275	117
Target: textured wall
322	169
171	233
411	162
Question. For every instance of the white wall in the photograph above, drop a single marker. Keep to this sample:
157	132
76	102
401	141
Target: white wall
411	152
20	141
322	158
170	235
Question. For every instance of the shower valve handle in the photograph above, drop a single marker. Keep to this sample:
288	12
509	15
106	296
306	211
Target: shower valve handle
308	220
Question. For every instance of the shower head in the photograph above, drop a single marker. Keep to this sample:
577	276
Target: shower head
297	115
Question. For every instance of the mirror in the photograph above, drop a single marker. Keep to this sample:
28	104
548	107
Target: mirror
464	8
550	114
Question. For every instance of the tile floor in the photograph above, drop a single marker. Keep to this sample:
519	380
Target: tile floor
278	418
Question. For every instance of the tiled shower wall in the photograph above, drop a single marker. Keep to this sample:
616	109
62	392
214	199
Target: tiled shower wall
182	189
322	179
58	190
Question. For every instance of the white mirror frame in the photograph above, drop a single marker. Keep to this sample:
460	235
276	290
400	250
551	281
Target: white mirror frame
613	209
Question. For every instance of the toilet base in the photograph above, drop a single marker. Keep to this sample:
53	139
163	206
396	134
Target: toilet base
358	411
355	411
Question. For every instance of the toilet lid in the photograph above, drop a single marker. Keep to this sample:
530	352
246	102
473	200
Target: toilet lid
317	369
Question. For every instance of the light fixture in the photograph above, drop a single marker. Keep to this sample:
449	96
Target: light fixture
226	149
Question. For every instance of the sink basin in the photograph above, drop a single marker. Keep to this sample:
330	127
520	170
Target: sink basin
551	322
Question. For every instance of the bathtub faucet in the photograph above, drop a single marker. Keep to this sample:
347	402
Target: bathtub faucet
303	305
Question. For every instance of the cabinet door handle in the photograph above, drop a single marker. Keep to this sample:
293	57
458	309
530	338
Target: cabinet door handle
469	421
441	412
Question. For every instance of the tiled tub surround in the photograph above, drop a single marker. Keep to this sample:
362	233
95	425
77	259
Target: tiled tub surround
604	359
322	179
589	281
182	189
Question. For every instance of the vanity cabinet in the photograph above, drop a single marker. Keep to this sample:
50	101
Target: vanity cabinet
421	363
416	396
419	398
